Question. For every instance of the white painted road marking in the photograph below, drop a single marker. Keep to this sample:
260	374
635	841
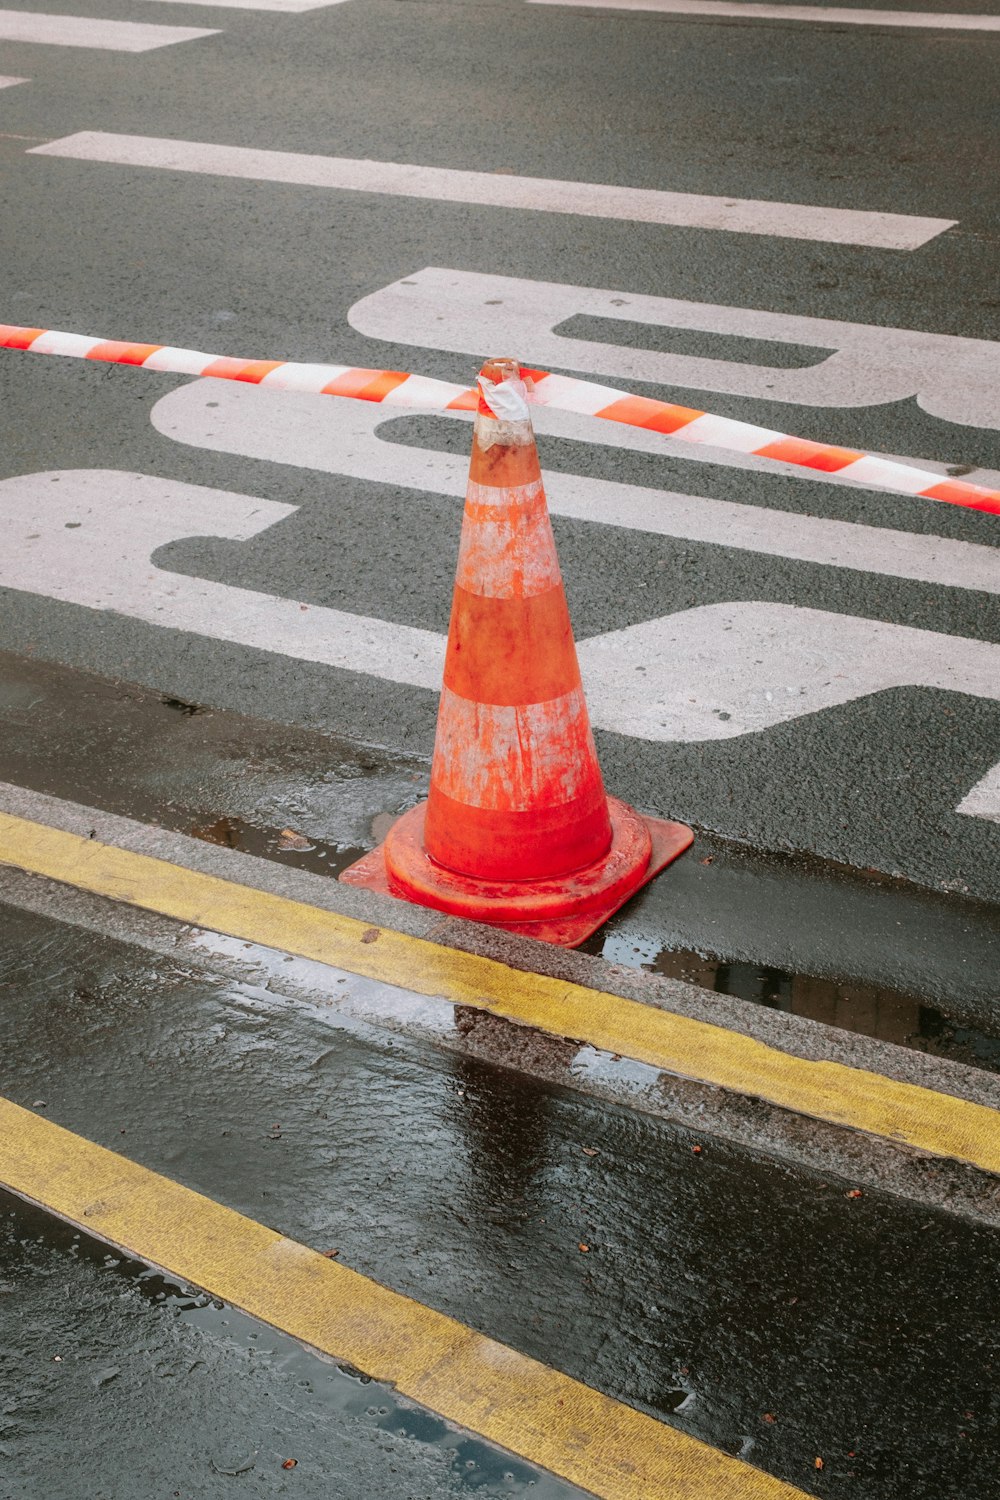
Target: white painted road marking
832	14
443	184
984	799
291	7
765	664
957	379
116	523
8	83
344	438
709	673
82	31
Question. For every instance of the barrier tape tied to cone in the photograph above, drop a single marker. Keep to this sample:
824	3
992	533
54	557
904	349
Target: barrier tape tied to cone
561	392
517	830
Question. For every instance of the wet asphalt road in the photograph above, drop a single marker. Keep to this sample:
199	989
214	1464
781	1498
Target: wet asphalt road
878	958
798	113
103	1351
717	1290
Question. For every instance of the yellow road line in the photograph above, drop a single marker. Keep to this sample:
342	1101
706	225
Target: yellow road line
934	1122
603	1446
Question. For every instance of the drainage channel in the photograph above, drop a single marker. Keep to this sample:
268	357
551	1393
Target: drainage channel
876	957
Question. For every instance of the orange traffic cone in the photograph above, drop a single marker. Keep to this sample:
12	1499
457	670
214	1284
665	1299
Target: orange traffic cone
517	830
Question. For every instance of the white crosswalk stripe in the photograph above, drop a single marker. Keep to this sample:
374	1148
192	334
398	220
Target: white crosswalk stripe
289	7
839	15
639	205
83	31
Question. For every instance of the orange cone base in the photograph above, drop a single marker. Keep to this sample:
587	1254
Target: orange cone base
564	910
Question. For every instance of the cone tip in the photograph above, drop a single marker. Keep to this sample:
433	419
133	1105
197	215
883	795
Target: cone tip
500	369
503	397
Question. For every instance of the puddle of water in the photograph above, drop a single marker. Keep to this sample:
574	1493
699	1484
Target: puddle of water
294	796
867	1010
876	1011
285	846
181	707
317	803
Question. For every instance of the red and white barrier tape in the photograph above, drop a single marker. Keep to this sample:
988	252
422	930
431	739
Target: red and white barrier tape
562	392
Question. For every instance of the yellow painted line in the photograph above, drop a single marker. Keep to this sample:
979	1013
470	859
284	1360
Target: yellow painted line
603	1446
923	1118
